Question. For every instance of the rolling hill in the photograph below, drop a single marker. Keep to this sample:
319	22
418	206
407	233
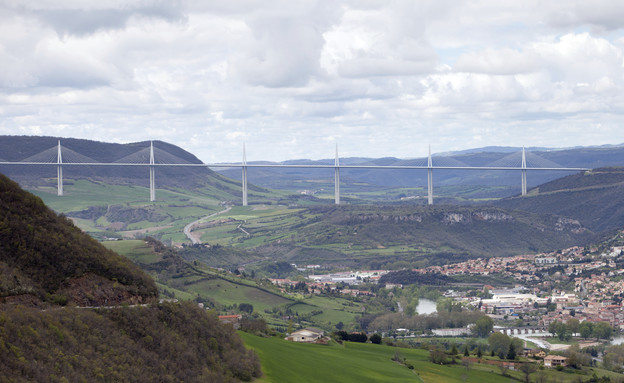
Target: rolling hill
44	149
594	198
389	236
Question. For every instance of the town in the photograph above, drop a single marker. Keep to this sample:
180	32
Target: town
583	284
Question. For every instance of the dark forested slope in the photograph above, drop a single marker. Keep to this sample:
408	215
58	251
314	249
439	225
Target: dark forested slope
47	263
45	254
159	343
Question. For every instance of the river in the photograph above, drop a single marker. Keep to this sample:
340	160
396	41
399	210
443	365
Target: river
426	306
618	340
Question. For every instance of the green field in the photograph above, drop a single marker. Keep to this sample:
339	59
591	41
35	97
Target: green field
170	213
205	284
284	361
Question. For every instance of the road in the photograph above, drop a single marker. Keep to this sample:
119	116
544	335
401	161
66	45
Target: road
188	228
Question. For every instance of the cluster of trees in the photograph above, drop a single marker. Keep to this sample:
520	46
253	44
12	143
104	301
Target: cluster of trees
586	329
409	277
360	337
504	346
421	323
483	326
167	342
614	358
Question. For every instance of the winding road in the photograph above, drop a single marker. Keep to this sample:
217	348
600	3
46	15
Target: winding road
188	228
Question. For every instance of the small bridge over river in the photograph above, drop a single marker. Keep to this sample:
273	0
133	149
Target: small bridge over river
537	330
152	158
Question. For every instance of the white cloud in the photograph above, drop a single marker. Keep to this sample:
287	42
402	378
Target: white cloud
379	78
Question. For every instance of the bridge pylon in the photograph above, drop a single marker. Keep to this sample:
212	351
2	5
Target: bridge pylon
524	171
429	179
152	174
59	171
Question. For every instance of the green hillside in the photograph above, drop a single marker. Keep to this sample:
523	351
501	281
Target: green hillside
43	254
158	343
224	291
284	361
388	236
594	198
72	310
110	210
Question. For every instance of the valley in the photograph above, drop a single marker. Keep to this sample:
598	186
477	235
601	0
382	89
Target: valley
293	260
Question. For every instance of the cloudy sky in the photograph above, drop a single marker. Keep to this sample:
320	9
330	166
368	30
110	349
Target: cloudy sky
292	79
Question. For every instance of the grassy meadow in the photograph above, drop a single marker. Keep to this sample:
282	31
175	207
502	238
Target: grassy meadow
284	361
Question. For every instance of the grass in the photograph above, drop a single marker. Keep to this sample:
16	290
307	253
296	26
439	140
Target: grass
137	250
284	361
178	207
228	293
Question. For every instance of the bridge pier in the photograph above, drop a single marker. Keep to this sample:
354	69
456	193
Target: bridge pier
429	179
152	174
59	171
524	178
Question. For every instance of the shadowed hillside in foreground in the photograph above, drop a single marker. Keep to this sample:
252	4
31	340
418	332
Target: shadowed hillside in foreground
48	263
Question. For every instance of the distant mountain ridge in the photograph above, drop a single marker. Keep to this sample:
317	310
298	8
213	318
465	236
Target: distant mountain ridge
23	148
581	157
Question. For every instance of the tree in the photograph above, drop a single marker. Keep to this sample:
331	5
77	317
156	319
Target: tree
511	354
342	335
527	369
466	352
602	330
573	325
586	329
560	329
518	345
339	325
246	307
499	344
453	350
375	338
483	326
358	337
437	356
479	352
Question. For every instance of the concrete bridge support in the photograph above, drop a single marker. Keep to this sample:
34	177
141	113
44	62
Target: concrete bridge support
59	171
429	179
524	177
152	174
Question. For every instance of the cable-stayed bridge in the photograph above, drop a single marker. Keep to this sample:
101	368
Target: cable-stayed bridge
153	157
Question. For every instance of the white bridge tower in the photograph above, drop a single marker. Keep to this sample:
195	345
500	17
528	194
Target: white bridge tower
59	171
152	175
